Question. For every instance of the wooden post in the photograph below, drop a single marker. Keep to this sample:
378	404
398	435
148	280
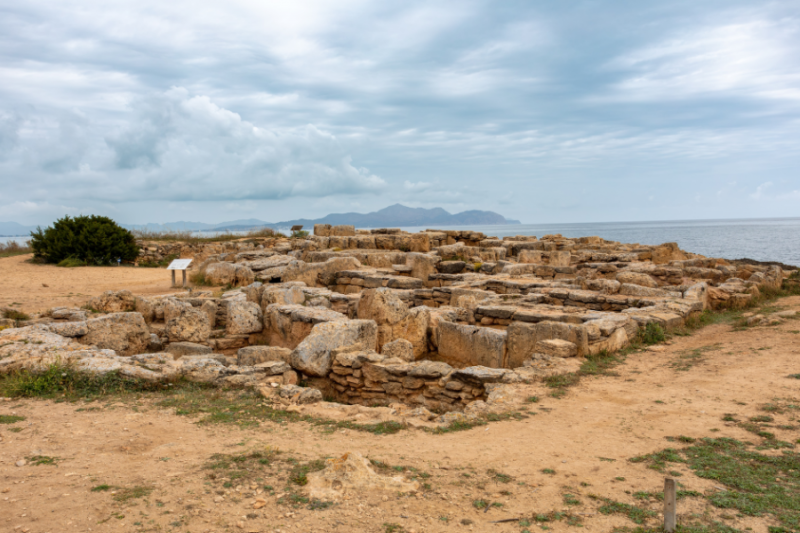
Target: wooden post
173	277
184	278
670	505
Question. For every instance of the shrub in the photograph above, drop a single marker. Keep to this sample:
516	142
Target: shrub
92	240
301	234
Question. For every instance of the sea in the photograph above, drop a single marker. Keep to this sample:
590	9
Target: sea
763	239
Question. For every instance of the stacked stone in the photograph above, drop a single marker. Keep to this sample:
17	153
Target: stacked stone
369	378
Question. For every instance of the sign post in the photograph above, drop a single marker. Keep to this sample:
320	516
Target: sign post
182	265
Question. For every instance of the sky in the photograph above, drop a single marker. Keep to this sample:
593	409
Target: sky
546	112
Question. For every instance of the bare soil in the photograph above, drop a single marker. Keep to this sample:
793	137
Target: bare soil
30	287
156	462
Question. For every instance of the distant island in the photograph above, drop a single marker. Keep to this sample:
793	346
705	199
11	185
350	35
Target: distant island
393	216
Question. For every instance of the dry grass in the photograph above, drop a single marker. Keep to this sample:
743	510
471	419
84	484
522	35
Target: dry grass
12	248
191	237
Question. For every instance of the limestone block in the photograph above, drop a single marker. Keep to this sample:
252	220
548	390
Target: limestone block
253	355
113	302
530	256
313	355
557	348
464	345
399	348
69	329
244	317
125	333
318	274
188	324
559	259
229	274
180	349
343	231
422	265
322	230
209	307
636	278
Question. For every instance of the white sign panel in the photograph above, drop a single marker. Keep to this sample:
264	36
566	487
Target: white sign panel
179	264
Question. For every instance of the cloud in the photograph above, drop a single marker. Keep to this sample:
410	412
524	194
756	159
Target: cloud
155	111
759	192
183	147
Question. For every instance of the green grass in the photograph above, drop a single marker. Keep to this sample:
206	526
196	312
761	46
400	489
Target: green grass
13	314
227	471
651	334
71	262
11	419
755	484
636	514
101	488
124	495
36	460
480	504
690	358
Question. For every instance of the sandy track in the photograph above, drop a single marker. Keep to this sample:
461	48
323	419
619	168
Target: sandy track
23	283
610	417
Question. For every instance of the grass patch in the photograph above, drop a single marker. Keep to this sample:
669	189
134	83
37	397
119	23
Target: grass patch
13	314
651	334
13	248
688	359
124	495
755	484
595	365
101	488
240	472
189	238
636	514
62	380
11	419
36	460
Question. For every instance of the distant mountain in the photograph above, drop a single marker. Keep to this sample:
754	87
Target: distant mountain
12	229
392	216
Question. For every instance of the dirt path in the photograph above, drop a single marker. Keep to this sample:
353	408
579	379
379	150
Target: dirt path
585	439
31	287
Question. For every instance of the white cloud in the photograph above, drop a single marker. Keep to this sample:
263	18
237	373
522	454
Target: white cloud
748	59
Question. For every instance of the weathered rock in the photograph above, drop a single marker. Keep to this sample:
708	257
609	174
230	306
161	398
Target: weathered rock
479	374
69	313
288	325
113	302
399	348
243	318
253	355
422	265
125	333
69	329
188	324
352	474
557	348
464	345
637	278
180	349
451	267
228	274
209	307
313	355
318	274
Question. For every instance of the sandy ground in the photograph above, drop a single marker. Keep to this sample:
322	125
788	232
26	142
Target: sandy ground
29	287
585	437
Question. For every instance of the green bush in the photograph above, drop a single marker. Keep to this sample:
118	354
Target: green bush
92	240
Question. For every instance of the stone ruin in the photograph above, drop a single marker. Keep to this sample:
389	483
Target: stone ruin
436	320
